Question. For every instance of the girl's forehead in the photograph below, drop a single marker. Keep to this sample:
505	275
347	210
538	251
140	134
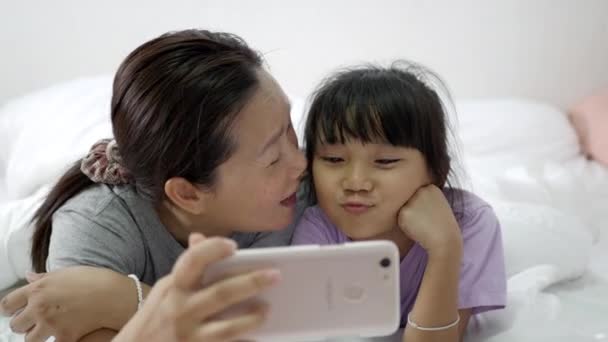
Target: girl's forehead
357	143
338	136
354	123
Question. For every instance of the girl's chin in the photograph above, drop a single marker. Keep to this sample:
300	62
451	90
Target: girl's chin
369	235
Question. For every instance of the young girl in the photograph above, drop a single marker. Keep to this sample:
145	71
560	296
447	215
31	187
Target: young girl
376	143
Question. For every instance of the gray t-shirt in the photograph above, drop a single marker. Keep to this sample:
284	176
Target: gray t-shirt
115	228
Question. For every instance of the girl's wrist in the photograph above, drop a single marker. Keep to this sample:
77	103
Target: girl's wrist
447	250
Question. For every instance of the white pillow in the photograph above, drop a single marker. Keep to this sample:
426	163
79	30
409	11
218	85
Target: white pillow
298	116
503	132
16	235
45	131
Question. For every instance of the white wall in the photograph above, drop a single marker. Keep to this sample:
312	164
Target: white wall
554	50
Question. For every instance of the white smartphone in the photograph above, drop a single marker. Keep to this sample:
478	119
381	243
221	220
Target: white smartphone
325	291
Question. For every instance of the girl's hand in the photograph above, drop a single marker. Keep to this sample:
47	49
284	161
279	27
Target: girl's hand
178	309
427	218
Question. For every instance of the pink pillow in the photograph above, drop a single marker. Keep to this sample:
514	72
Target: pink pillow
590	118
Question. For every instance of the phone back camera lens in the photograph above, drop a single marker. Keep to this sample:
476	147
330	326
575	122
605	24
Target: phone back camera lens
386	262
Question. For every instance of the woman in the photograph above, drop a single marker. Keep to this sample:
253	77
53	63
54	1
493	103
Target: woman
203	143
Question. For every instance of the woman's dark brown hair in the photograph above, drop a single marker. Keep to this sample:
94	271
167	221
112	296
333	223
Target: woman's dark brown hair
174	100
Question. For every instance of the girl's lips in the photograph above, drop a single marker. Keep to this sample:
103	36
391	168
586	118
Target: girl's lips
356	208
290	201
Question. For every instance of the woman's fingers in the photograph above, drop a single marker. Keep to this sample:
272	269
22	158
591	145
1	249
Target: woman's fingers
14	301
225	293
231	329
189	268
195	238
37	334
22	322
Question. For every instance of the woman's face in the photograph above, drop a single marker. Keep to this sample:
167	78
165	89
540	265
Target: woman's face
256	187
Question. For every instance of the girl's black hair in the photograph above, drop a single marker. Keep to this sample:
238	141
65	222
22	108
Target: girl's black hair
373	104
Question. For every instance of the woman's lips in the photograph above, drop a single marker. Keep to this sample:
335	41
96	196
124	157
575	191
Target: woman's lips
290	201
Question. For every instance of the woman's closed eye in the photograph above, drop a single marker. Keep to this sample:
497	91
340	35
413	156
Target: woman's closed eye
276	158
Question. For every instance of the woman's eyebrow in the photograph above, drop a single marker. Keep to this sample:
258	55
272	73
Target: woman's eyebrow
277	134
272	140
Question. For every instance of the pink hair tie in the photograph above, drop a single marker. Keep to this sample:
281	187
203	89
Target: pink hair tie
103	164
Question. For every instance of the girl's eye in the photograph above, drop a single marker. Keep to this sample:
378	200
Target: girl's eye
387	161
332	160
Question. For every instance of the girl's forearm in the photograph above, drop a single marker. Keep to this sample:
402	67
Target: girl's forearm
437	301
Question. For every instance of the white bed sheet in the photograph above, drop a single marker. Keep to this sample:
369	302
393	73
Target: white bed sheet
3	194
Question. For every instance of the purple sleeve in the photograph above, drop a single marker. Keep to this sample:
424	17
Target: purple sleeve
483	280
312	229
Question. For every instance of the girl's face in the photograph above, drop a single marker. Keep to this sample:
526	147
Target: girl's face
361	187
256	187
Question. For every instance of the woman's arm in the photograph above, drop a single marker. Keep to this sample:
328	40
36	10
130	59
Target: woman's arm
95	298
102	335
73	300
176	309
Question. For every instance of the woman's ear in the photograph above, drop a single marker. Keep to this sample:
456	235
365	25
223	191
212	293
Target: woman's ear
185	195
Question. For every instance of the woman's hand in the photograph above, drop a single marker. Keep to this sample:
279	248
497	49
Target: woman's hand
178	309
70	303
427	218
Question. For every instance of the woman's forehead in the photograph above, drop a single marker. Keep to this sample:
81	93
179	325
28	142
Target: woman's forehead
267	111
268	96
